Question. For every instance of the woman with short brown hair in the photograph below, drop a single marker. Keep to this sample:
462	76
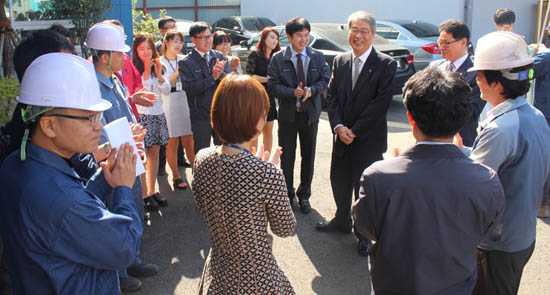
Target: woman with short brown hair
239	194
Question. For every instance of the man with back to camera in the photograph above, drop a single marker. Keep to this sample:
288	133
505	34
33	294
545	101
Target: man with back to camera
504	19
59	236
297	76
428	208
454	37
515	142
201	71
359	95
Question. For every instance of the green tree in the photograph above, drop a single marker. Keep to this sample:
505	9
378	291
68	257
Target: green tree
83	13
144	22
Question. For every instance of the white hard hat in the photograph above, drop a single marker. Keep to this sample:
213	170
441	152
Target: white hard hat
62	80
501	51
106	36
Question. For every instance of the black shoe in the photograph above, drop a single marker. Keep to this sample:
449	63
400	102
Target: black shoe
160	199
150	204
333	226
143	270
129	284
363	247
305	207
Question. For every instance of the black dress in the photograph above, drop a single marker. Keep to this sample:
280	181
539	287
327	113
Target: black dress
258	65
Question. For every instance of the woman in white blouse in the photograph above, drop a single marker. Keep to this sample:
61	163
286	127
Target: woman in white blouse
176	108
146	59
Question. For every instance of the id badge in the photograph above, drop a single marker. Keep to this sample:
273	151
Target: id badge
179	86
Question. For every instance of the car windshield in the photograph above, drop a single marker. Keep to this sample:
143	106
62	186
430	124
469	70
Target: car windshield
421	29
256	24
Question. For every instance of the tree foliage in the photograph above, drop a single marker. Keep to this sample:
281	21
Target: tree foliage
83	13
144	22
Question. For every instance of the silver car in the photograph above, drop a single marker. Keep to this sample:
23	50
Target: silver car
419	37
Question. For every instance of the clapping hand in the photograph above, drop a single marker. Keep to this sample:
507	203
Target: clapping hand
144	98
299	91
218	68
265	155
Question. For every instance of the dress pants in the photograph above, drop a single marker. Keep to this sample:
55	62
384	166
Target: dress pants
499	272
345	175
202	131
307	133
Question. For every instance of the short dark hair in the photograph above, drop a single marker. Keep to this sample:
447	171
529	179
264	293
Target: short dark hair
439	102
164	20
60	29
221	37
199	27
37	44
504	16
455	27
297	24
238	105
511	89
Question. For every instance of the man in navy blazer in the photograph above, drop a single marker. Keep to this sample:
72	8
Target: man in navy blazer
359	95
297	76
454	37
201	71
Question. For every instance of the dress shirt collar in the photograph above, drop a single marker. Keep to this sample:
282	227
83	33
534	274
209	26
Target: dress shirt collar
202	54
363	57
434	142
458	63
108	82
293	52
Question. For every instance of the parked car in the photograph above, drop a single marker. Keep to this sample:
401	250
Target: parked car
183	25
242	28
418	36
332	40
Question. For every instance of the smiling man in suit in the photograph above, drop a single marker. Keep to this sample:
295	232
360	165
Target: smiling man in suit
454	37
297	76
359	95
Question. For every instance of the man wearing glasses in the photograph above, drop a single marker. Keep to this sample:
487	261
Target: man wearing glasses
454	37
201	71
165	24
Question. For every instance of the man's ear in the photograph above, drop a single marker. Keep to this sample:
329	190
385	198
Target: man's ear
411	120
104	58
47	126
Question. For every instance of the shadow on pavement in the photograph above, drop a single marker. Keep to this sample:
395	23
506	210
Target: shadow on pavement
176	239
334	255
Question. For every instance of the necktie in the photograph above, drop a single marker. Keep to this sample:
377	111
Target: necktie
356	62
205	58
450	67
301	79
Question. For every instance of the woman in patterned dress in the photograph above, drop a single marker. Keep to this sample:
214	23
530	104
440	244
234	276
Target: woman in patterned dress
258	62
239	194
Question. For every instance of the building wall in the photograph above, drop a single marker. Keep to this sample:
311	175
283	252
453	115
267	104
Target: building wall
427	10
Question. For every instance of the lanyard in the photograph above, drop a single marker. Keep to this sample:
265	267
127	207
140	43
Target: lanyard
237	147
170	63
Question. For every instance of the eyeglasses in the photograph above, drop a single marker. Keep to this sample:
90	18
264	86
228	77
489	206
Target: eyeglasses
177	43
445	43
93	119
357	31
205	37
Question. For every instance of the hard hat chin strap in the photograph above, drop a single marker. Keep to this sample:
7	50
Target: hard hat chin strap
109	64
29	115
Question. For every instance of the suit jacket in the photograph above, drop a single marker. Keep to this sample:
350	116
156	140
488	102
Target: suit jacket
427	209
363	110
282	80
198	83
469	130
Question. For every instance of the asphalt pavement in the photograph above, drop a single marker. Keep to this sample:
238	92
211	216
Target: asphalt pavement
177	237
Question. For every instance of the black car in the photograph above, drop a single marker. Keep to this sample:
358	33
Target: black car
332	40
242	28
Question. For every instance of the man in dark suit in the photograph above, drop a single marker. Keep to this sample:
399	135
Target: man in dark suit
454	37
359	95
297	76
430	207
201	71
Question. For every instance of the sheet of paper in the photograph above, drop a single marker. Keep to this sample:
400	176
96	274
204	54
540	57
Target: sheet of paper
119	133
